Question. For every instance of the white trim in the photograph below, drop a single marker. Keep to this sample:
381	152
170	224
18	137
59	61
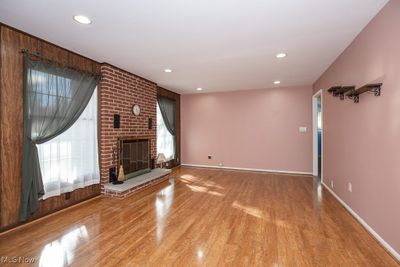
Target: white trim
315	135
365	225
245	169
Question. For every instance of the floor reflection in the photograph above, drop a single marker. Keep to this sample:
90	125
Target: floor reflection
189	178
248	209
200	255
317	196
61	251
197	185
319	193
164	200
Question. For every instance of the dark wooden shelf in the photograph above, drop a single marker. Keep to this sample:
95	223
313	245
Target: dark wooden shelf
342	91
373	88
333	89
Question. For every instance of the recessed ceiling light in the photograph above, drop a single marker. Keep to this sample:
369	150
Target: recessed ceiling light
199	89
167	70
82	19
277	82
281	55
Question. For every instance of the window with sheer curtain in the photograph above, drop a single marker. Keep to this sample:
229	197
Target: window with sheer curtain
165	140
70	160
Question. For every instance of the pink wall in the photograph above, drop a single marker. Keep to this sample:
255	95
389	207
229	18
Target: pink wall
362	141
256	129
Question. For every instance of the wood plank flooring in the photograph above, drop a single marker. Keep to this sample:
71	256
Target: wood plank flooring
204	217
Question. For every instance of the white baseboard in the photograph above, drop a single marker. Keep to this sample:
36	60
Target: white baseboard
245	169
365	225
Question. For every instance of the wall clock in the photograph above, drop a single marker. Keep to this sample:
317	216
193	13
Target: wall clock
136	110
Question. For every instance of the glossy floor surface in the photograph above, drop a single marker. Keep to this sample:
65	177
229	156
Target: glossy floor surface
204	217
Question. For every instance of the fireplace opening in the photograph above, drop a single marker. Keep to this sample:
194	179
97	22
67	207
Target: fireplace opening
135	156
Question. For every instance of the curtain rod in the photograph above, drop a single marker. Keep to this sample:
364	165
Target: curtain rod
37	54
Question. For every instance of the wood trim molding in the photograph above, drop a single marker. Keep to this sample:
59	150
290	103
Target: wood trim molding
1	120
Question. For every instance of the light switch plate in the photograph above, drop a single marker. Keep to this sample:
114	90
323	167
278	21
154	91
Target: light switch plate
302	129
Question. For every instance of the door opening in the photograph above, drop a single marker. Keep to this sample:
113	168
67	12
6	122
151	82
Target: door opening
317	135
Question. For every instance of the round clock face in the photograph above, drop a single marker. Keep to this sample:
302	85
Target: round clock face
136	110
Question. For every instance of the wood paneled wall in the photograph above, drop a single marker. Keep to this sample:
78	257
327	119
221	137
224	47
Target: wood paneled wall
11	117
177	97
1	135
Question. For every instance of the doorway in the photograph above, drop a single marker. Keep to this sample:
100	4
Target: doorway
317	134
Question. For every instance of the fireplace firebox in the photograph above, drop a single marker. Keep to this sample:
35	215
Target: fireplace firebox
134	156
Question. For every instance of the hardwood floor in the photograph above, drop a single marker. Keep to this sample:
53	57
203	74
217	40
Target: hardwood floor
204	217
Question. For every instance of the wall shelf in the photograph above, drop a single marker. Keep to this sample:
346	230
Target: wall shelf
333	89
373	88
340	90
343	90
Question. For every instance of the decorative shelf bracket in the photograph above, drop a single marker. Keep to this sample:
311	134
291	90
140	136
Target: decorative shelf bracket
352	95
373	88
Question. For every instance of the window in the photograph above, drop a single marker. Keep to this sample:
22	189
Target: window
48	89
165	140
70	160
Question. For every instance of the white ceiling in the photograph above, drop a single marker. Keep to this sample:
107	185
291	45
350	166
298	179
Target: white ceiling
219	45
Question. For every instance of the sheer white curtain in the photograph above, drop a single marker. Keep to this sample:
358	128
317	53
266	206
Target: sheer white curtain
70	160
165	140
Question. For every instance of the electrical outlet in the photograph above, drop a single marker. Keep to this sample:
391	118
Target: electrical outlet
332	183
350	188
221	164
209	156
302	129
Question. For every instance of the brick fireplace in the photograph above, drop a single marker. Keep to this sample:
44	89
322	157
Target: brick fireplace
118	92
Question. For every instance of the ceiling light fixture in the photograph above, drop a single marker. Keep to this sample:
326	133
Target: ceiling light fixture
168	70
277	82
281	55
82	19
199	89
